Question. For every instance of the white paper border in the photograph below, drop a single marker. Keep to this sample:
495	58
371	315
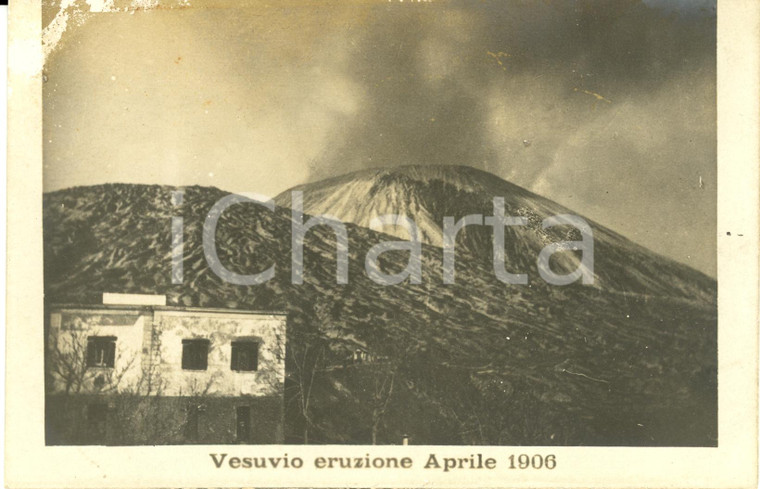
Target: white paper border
29	463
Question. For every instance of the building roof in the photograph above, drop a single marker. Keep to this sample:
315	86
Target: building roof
140	307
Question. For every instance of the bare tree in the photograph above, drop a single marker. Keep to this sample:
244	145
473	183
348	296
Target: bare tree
68	364
383	381
307	359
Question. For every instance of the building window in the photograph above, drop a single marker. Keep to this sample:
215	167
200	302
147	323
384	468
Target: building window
195	354
101	351
245	356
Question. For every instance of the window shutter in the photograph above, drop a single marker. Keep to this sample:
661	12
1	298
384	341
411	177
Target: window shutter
110	356
91	352
245	356
234	357
185	356
203	352
195	354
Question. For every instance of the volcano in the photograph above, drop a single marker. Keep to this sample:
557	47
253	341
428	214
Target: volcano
630	360
427	194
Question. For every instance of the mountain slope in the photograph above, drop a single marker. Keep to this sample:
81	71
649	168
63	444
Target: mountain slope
475	362
429	193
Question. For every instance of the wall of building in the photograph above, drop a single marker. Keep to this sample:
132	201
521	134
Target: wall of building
149	351
147	397
160	420
220	329
67	349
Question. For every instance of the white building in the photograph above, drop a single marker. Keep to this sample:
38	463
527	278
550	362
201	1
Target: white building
133	371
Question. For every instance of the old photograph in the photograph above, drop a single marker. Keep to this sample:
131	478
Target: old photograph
380	222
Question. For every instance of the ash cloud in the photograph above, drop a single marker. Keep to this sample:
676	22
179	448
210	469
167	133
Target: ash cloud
607	107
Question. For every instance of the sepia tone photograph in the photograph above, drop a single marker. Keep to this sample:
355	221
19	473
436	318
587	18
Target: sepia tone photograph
380	223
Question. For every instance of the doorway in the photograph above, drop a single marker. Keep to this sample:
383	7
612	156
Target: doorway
244	424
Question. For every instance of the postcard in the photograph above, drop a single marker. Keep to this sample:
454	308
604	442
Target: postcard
382	243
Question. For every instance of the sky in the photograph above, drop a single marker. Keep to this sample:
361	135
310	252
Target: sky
607	107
